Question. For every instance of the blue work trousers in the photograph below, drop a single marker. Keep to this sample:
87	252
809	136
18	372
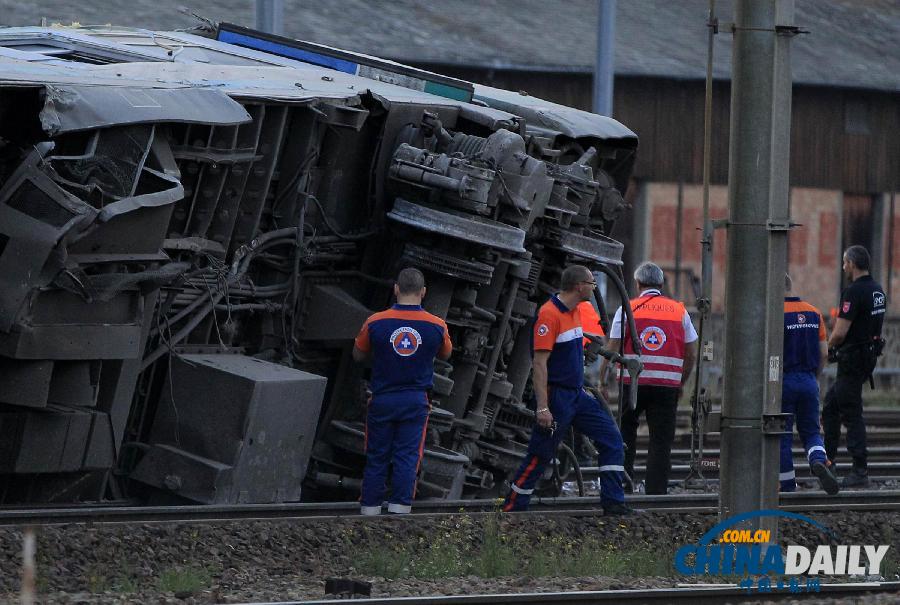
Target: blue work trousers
800	397
395	435
572	407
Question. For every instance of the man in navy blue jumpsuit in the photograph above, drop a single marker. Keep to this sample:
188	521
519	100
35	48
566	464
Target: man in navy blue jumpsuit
558	380
804	356
403	342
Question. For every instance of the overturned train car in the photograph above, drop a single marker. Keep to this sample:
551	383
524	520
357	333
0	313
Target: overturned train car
192	232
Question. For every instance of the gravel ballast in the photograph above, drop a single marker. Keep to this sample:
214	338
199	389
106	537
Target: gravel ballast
290	560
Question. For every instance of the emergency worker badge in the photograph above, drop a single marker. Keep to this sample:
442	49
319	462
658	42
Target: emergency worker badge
542	330
653	338
846	307
405	341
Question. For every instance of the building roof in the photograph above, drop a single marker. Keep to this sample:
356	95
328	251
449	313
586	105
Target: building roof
852	43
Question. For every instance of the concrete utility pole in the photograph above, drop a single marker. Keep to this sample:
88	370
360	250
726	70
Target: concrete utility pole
758	226
604	66
270	16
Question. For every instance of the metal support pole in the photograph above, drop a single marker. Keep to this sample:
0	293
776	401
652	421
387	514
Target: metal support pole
890	249
704	301
604	67
679	226
270	16
757	253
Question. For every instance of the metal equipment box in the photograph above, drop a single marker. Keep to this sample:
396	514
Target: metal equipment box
233	429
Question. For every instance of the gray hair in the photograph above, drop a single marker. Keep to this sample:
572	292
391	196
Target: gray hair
649	274
859	256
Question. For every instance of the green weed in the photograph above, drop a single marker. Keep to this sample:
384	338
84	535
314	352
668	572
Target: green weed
456	550
183	579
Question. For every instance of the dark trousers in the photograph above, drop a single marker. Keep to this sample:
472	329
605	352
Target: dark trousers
571	407
800	397
659	404
396	425
843	405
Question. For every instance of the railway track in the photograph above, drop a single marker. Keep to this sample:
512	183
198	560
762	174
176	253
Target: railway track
884	466
874	500
883	436
877	453
878	471
685	595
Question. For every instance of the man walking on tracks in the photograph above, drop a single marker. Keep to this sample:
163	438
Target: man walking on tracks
558	379
403	342
668	350
804	357
856	344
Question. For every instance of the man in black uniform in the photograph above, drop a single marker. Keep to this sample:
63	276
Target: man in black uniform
855	344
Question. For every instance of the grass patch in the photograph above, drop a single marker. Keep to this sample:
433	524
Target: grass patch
460	548
386	562
125	584
497	556
102	580
183	580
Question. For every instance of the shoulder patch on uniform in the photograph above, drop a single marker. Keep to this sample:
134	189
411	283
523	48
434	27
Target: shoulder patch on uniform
542	330
877	299
846	307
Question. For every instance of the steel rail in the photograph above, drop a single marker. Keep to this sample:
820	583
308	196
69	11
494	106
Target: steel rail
878	471
874	500
683	595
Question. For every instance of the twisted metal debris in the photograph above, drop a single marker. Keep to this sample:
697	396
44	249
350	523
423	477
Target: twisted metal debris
190	240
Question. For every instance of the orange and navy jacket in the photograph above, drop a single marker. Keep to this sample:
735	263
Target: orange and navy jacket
804	329
404	341
590	321
659	323
558	329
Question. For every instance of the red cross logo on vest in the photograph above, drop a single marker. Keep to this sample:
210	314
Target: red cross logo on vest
405	341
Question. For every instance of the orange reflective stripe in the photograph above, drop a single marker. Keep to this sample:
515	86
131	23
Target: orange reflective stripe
418	315
799	306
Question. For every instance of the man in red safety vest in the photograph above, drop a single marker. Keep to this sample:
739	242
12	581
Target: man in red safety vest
668	343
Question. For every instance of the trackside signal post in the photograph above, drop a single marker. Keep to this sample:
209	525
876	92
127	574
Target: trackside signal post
758	225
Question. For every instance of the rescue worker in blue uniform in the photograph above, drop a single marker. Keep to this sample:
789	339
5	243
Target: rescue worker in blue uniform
403	342
804	357
856	342
558	381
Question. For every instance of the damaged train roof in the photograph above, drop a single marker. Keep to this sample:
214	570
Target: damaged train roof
71	63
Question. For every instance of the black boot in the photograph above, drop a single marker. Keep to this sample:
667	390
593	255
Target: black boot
857	478
822	470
